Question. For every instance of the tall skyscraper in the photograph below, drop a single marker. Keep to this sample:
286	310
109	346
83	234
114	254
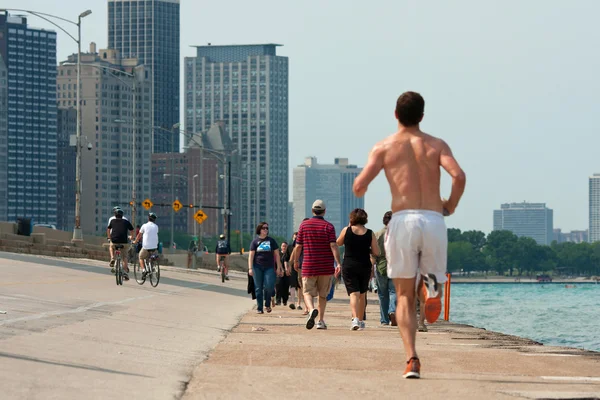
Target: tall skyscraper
3	139
66	127
107	117
594	208
532	220
331	183
246	87
149	31
29	58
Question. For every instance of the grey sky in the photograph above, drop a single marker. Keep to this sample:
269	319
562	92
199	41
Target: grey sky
511	85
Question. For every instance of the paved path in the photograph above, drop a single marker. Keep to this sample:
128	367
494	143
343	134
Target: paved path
286	361
71	333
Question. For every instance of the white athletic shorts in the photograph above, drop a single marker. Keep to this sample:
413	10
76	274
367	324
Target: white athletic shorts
416	242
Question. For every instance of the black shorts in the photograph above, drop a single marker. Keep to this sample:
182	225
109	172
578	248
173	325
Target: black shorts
356	279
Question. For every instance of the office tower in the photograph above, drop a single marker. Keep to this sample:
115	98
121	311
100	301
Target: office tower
246	87
29	60
3	140
532	220
149	31
331	183
66	159
107	166
594	208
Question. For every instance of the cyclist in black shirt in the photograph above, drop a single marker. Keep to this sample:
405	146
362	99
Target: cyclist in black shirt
223	250
117	234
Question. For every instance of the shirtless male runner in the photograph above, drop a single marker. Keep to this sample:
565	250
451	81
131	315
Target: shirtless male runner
416	241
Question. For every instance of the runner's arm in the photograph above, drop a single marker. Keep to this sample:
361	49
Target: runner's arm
459	178
369	172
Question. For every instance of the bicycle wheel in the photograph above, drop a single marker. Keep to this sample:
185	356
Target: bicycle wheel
118	271
140	278
154	273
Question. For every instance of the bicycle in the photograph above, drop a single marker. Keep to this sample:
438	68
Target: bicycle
118	264
152	270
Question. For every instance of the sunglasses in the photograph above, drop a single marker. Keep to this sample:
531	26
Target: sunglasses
266	228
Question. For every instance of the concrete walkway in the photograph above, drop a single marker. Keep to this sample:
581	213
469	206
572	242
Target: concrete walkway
458	362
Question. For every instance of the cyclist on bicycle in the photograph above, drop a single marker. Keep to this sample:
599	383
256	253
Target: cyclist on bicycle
223	251
110	248
117	235
149	235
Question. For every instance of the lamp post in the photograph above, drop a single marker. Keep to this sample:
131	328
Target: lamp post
77	233
194	197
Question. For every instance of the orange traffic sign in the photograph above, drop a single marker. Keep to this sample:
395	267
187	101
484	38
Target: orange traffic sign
177	205
147	204
200	217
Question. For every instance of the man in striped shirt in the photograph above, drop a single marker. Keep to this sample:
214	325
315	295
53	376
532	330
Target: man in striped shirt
316	240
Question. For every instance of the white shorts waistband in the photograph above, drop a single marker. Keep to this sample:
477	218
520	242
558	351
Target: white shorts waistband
425	213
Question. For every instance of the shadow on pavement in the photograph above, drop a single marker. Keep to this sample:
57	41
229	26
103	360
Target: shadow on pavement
79	366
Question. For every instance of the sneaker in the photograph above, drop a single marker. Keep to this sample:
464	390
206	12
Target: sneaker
355	324
298	308
393	321
422	327
111	263
362	325
125	276
433	303
321	325
278	303
292	306
413	369
260	312
226	277
219	268
310	322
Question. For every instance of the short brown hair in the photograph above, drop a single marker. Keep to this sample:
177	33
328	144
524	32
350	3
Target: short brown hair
358	216
409	108
387	217
259	227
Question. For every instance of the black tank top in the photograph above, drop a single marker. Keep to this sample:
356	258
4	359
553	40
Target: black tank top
357	249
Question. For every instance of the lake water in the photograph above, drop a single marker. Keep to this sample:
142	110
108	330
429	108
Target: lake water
548	313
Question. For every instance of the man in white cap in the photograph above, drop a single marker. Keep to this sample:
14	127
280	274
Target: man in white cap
316	241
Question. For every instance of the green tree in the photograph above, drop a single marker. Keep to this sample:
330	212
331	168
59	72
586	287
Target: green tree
501	251
476	238
454	235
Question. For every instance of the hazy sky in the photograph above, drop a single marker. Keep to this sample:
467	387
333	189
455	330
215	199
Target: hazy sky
510	85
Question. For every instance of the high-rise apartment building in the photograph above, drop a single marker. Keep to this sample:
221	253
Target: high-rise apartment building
573	236
532	220
66	158
246	87
149	31
331	183
594	208
3	140
107	115
30	174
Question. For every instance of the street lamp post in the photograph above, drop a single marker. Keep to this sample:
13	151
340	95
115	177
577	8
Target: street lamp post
194	198
77	233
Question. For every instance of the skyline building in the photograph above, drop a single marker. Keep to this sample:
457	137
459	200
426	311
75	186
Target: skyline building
149	30
28	117
532	220
246	88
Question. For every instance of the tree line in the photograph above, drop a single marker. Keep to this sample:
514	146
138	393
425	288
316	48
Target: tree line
505	253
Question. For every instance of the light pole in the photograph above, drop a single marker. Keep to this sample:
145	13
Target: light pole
77	233
194	198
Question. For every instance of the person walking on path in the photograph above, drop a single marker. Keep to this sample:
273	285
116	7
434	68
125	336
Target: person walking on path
295	295
385	286
417	240
316	241
264	255
282	284
359	244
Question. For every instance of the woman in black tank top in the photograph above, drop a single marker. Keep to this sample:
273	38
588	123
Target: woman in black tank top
359	244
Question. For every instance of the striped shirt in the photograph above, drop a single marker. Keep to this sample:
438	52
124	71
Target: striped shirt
316	235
